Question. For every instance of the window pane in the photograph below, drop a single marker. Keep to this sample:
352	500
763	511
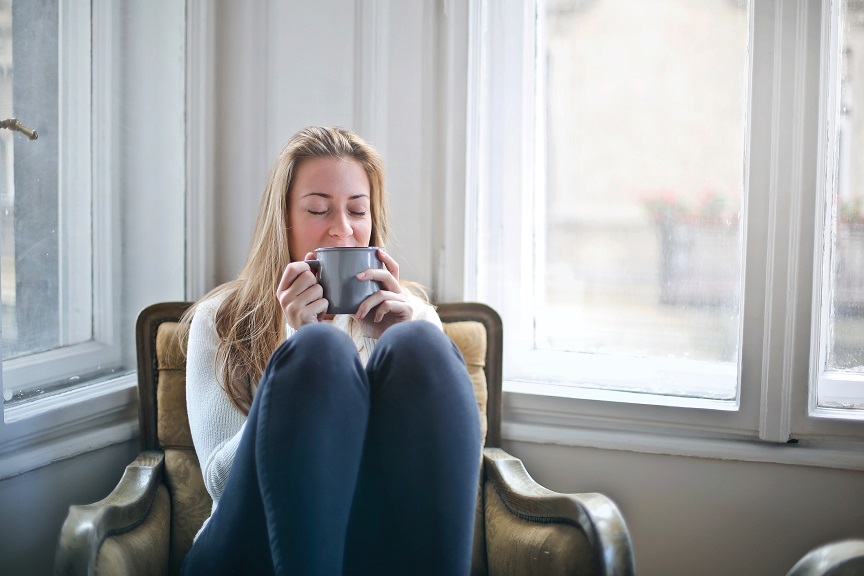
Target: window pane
7	250
45	201
645	130
30	208
93	233
846	316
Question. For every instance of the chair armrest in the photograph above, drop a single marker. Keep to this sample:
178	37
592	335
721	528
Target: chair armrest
842	558
87	526
594	514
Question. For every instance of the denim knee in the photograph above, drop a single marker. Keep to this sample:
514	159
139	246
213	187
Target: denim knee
418	341
313	340
418	351
315	353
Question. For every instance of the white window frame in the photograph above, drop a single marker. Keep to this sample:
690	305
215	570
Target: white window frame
775	420
686	383
152	190
88	332
834	386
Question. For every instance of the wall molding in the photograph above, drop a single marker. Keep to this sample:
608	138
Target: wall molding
371	67
200	155
459	78
40	432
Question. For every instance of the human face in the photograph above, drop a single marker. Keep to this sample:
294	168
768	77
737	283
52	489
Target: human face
328	205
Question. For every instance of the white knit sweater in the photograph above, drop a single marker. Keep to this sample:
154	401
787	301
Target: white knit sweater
216	424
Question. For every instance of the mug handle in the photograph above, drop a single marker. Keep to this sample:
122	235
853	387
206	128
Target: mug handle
315	265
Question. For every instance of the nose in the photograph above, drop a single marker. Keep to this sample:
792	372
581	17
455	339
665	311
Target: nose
340	227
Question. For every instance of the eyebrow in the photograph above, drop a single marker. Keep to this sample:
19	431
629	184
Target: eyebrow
330	196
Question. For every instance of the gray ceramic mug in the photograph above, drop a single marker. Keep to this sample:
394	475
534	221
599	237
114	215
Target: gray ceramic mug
337	269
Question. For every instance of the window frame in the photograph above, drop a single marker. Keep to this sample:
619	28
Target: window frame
822	380
790	46
88	328
83	418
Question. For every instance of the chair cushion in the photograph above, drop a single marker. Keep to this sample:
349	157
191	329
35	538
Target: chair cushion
142	550
172	421
470	338
191	504
516	545
169	354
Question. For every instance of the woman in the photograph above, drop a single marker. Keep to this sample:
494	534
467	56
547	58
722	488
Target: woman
346	444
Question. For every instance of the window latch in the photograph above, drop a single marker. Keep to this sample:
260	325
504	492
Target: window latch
16	126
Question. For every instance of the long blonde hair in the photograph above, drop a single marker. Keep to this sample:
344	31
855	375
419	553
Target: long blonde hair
249	322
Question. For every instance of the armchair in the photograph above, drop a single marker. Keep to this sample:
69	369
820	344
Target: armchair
840	558
146	524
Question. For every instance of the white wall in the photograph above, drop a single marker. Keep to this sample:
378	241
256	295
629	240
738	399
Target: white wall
704	516
363	65
34	505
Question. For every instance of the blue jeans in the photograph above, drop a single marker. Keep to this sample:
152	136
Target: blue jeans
349	470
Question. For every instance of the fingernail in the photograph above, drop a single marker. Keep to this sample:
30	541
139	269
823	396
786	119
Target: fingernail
361	276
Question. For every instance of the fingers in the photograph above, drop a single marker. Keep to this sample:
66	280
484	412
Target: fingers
396	311
290	274
307	308
292	271
388	276
293	284
383	277
300	296
389	263
384	302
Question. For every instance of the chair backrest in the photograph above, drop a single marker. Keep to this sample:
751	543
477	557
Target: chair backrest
475	328
469	339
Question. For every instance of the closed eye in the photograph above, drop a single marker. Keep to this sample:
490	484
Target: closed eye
317	213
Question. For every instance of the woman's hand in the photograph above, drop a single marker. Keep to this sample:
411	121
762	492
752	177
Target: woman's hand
300	295
387	306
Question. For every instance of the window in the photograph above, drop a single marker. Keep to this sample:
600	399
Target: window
92	213
840	382
54	331
651	204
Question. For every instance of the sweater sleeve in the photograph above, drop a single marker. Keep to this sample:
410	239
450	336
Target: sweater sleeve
216	424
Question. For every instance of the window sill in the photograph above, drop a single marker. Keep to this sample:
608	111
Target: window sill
37	433
545	419
565	390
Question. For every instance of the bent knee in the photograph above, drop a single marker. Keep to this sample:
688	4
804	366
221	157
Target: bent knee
413	333
418	341
315	345
317	337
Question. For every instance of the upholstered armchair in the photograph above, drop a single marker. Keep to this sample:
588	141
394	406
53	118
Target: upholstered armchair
146	524
840	558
